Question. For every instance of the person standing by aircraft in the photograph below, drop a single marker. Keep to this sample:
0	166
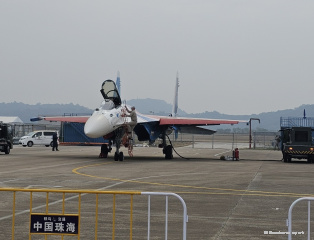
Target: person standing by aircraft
277	141
55	141
133	122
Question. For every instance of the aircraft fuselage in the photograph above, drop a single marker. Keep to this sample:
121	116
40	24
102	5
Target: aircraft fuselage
104	121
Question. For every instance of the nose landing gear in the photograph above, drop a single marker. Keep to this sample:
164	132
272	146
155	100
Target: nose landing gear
118	156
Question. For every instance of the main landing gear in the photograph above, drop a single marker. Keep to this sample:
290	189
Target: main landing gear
167	149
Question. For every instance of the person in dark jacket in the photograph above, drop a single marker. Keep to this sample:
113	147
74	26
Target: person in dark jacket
55	141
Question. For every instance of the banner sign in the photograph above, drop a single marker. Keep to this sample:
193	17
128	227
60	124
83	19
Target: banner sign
54	224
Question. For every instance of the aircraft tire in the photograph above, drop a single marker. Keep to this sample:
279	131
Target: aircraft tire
121	157
285	158
116	156
168	152
289	159
103	155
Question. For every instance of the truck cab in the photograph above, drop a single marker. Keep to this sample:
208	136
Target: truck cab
297	142
6	138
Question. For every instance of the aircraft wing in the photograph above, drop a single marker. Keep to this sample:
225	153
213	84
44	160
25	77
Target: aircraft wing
150	127
184	121
78	119
195	121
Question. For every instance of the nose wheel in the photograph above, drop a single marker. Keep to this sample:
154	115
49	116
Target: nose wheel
118	156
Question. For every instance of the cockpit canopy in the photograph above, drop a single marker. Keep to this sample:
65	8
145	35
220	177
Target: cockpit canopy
107	104
110	92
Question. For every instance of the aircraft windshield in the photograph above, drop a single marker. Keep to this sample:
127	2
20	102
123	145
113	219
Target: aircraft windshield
107	105
109	91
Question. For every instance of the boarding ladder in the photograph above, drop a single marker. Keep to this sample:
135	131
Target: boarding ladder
126	141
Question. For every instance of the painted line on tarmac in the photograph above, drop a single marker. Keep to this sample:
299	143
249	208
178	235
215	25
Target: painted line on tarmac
11	180
56	202
41	167
224	190
73	197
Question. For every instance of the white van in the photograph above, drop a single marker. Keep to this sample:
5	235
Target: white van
43	137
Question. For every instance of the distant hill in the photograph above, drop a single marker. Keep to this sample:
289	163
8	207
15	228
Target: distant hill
154	106
269	120
26	111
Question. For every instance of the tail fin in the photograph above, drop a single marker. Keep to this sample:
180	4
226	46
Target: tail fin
175	100
118	83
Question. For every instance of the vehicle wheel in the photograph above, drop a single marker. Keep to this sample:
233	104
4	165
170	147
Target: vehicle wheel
116	156
30	144
121	157
7	149
310	159
51	144
285	159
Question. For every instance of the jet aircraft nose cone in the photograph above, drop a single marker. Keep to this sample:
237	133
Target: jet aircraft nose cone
97	126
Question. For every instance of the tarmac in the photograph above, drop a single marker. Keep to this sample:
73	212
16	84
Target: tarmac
245	199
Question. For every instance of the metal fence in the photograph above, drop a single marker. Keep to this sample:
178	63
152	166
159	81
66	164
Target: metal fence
86	214
20	130
302	219
288	122
260	140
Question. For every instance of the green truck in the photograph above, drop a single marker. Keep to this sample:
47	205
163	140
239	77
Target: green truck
6	138
297	139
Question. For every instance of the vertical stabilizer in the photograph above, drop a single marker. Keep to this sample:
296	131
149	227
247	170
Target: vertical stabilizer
175	100
118	83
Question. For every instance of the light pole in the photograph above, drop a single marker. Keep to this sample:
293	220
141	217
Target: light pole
259	121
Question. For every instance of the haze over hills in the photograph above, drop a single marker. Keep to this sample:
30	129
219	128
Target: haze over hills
27	111
269	120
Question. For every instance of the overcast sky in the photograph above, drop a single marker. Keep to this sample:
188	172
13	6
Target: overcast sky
233	56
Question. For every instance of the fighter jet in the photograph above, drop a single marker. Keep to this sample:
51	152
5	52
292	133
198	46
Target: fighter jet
110	122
